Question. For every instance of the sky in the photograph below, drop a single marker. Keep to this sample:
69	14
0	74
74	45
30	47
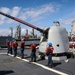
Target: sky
40	13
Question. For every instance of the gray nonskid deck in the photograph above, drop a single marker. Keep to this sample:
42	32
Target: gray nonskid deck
13	66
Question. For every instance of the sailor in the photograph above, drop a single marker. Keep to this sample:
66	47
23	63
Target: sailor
8	44
10	49
49	52
74	45
71	45
22	48
33	51
15	45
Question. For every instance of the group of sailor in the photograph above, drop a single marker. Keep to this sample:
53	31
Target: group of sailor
12	49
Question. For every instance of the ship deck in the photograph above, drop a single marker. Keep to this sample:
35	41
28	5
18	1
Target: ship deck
10	65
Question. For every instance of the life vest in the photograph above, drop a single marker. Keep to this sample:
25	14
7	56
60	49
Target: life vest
22	44
74	45
10	45
71	45
8	42
15	44
33	47
49	50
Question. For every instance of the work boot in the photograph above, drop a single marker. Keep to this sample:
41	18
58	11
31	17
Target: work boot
22	57
34	60
47	65
30	61
51	66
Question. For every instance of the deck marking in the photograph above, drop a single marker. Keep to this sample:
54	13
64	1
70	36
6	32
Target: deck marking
43	66
3	53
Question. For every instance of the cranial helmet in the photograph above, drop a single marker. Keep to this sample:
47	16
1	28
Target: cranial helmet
50	44
22	39
32	42
10	42
6	39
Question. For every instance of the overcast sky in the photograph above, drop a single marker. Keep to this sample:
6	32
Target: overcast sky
37	12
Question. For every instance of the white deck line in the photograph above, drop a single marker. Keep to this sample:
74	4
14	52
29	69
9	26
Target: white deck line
3	53
43	66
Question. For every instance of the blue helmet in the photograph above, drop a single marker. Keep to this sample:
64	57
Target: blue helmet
32	42
22	39
6	39
10	42
50	44
13	40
